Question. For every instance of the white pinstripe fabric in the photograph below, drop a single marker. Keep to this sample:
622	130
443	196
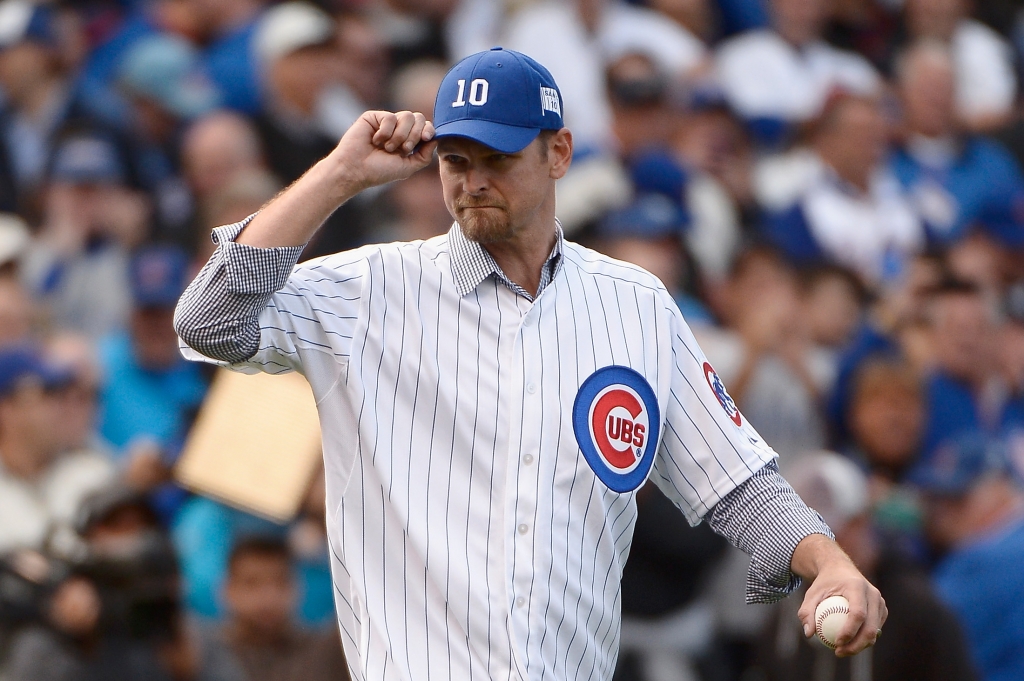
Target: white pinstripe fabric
471	539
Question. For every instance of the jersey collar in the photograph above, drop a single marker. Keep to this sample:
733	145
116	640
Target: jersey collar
471	263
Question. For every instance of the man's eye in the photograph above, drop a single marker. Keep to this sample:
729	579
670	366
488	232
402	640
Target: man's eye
498	157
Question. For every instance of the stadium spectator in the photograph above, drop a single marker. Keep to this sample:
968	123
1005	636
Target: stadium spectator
79	422
295	45
359	76
957	181
965	391
419	207
922	641
205	531
160	78
833	302
986	84
765	356
592	34
118	614
150	394
414	86
78	264
853	211
37	102
975	517
774	78
42	484
215	149
17	312
260	598
886	418
227	29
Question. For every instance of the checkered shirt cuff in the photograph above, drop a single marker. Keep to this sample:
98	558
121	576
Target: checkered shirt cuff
766	518
218	315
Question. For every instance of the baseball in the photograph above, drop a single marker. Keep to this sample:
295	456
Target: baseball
829	618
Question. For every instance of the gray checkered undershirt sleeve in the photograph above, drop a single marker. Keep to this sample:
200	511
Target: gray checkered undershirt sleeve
218	316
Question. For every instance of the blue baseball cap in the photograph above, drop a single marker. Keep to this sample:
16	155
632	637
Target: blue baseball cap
87	159
165	69
499	98
159	275
953	467
21	362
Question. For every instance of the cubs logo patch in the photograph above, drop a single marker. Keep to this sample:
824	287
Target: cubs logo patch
724	399
616	421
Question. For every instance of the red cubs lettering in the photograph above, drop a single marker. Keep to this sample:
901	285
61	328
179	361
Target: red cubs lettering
638	434
627	432
607	427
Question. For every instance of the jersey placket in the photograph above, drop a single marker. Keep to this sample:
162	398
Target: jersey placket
523	466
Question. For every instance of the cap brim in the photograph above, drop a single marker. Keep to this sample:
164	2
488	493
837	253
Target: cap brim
508	139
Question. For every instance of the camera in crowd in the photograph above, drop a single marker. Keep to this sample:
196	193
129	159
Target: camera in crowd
125	562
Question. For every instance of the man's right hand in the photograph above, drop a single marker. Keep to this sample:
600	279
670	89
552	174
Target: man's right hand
382	147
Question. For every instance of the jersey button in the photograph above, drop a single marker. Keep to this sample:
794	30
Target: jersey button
520	602
531	388
523	528
528	459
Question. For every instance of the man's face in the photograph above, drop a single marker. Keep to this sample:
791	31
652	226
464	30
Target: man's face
963	335
887	424
493	195
927	89
155	342
31	413
260	592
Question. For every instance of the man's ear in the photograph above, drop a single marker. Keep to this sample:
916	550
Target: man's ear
560	151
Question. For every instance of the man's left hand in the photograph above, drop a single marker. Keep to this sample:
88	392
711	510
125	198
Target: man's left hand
831	572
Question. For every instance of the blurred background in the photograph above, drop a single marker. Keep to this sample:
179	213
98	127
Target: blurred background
831	189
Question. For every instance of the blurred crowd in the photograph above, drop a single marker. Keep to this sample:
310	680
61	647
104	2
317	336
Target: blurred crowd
831	189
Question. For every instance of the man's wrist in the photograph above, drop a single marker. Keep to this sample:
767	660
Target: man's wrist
813	554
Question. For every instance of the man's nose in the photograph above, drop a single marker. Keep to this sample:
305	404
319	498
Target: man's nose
476	181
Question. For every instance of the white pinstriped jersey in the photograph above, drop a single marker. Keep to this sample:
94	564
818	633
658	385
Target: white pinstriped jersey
471	537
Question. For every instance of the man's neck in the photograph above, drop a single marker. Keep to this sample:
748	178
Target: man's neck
522	258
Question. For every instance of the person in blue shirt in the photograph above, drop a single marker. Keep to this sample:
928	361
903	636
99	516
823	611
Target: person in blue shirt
966	375
975	515
956	181
150	392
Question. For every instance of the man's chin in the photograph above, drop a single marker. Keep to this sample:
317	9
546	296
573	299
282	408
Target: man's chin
485	229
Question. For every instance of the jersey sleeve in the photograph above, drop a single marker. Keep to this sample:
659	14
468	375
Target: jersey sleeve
250	309
707	448
715	466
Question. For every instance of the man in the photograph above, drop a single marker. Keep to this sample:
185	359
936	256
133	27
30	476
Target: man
260	595
776	79
986	85
965	391
41	485
957	181
149	393
851	210
478	526
975	515
78	264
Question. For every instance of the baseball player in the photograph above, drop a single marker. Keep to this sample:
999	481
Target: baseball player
491	400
